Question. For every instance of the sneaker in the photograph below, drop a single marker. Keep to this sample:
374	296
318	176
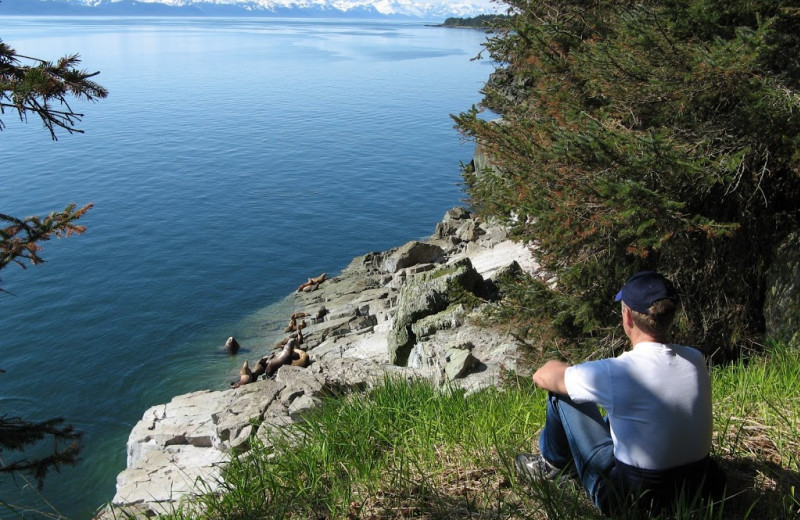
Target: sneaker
535	467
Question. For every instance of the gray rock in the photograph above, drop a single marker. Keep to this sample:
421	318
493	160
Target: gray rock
165	475
782	299
302	405
445	230
241	443
297	382
458	213
412	253
459	362
185	420
451	318
245	407
468	231
426	295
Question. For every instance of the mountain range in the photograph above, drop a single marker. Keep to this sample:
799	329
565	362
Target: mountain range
414	9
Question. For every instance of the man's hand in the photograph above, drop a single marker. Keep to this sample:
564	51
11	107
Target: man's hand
550	377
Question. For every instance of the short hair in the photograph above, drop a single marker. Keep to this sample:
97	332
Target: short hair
658	319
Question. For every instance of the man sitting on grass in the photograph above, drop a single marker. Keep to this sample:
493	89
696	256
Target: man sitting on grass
653	445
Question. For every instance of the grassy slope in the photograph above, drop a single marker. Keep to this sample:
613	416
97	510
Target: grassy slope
409	451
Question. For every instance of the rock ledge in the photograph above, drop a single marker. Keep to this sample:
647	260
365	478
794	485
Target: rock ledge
407	311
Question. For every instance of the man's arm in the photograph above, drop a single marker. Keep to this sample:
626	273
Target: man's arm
550	377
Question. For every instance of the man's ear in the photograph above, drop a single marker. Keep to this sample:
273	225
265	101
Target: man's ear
627	318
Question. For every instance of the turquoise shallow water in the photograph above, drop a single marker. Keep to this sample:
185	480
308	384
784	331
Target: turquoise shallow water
233	159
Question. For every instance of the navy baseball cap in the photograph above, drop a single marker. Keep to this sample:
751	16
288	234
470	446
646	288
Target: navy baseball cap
645	288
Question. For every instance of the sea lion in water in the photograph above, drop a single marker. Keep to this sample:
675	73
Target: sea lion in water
232	346
284	357
245	376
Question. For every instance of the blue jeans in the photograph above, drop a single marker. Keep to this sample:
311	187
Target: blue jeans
578	433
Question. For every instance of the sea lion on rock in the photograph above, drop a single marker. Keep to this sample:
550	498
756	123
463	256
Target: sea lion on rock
245	376
298	334
274	362
259	368
298	315
299	358
294	326
232	346
312	282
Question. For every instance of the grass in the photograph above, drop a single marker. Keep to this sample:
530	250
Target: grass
407	450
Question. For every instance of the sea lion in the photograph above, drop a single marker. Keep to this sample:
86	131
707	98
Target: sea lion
294	326
245	376
284	357
299	358
311	282
298	315
259	368
232	346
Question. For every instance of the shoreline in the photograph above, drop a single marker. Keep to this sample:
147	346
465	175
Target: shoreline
358	326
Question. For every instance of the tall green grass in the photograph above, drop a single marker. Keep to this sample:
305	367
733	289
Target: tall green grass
409	450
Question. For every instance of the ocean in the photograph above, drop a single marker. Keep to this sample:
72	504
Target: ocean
232	160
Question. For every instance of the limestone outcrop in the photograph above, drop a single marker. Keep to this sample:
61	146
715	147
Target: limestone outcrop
407	312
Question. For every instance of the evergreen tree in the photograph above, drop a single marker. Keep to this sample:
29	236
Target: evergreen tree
639	135
37	87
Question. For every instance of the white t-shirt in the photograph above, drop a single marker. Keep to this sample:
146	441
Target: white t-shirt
658	400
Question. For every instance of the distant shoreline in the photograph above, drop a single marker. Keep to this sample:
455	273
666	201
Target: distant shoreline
485	22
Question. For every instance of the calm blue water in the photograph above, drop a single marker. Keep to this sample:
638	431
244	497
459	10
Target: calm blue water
232	160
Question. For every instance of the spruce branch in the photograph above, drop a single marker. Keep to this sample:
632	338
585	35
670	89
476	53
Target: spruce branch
17	434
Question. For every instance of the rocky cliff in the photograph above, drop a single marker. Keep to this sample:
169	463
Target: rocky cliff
408	311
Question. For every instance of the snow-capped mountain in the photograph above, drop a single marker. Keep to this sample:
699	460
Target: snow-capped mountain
422	9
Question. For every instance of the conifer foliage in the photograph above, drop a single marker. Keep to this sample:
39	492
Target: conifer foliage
34	86
635	135
42	88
